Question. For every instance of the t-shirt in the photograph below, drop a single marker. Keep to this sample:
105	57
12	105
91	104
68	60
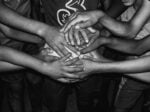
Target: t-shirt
58	11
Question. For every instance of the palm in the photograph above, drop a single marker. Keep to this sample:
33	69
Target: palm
56	40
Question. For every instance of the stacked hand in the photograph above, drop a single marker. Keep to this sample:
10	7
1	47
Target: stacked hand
60	69
81	37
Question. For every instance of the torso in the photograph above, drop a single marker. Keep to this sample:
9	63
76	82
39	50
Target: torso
58	11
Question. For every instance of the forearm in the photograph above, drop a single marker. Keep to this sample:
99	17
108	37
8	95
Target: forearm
131	28
5	67
19	58
129	46
19	35
138	65
11	18
116	27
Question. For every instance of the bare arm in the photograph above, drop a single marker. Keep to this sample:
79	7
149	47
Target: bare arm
5	67
131	28
126	29
130	46
18	58
19	35
11	18
139	65
49	33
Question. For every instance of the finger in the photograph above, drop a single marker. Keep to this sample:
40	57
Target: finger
71	62
69	75
66	57
84	24
73	16
78	63
72	23
63	80
63	49
67	38
66	80
73	69
71	39
49	58
95	37
58	51
87	58
92	30
91	37
77	37
84	35
73	80
91	47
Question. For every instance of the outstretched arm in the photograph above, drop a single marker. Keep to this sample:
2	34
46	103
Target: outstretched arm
126	29
5	67
129	46
19	35
18	58
130	28
138	65
48	33
57	69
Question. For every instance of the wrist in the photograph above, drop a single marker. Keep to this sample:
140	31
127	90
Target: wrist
37	64
104	41
42	30
99	14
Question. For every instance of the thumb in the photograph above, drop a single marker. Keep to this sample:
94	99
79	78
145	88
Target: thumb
84	24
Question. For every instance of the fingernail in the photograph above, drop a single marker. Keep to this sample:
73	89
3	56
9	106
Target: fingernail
77	27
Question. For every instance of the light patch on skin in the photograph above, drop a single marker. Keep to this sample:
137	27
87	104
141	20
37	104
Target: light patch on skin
128	2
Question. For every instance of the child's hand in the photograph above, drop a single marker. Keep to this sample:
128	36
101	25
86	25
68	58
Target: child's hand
89	67
83	20
63	68
98	42
55	39
80	37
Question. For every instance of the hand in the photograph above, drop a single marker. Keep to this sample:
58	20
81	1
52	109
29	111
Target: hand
83	20
56	40
80	37
63	68
94	44
76	37
89	67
